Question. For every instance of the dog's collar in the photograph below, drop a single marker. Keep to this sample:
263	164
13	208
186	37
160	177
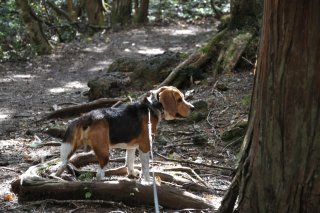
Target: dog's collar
154	104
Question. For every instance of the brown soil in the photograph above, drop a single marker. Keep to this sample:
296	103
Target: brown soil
29	89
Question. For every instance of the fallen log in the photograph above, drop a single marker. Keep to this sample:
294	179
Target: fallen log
32	187
82	108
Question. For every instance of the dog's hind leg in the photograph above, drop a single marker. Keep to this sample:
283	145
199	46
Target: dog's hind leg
66	152
102	154
144	158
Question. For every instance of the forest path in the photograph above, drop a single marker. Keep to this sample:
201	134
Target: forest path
29	89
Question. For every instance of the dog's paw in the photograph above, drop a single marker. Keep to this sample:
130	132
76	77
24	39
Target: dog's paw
145	181
134	174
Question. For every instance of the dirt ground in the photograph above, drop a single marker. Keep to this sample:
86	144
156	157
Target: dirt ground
29	89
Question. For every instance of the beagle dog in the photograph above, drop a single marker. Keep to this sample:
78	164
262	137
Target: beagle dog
124	127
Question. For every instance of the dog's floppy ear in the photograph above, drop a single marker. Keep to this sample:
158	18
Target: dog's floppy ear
168	101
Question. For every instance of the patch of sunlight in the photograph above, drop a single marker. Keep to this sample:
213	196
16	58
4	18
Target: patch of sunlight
185	32
23	76
216	201
96	49
5	113
68	87
57	90
150	51
75	85
16	77
101	65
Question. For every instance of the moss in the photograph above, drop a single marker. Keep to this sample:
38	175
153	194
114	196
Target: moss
232	134
246	100
214	43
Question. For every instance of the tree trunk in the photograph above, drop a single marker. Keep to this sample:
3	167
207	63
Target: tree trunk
71	10
95	12
283	162
142	13
35	32
121	12
245	13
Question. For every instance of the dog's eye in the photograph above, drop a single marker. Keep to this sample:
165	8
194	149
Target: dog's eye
179	100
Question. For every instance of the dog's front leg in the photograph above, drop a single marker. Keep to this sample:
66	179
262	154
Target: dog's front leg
130	163
144	158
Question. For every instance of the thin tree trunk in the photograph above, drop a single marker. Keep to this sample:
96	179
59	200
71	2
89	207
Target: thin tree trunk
121	12
71	10
95	11
284	157
37	36
142	15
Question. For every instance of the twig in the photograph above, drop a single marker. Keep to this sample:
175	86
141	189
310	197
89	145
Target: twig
194	163
248	61
189	170
9	169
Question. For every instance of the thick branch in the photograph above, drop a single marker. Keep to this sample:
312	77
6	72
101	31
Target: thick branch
82	108
195	60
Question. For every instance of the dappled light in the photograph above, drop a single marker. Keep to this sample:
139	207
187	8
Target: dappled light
149	51
68	87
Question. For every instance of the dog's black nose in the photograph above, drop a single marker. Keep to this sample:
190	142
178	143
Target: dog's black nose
191	108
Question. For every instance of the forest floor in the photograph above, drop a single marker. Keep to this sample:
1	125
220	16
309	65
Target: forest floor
29	89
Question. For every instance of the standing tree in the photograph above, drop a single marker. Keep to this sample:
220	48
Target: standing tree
96	13
121	11
141	11
34	28
280	166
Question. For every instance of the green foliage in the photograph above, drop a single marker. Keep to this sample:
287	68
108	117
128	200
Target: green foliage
88	195
190	10
13	38
246	100
86	176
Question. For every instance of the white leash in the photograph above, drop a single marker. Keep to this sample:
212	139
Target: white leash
155	194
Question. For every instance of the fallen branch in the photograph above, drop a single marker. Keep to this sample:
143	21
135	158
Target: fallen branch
82	108
195	60
194	163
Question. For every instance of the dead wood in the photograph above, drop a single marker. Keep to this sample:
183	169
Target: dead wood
195	60
32	187
194	163
232	52
82	108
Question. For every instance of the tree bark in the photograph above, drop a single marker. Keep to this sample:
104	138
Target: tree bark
141	15
71	10
245	13
95	12
35	32
121	12
284	156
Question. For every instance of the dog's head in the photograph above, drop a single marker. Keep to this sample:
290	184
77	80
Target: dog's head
173	103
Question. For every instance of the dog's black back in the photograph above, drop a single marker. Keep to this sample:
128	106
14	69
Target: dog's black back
125	121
